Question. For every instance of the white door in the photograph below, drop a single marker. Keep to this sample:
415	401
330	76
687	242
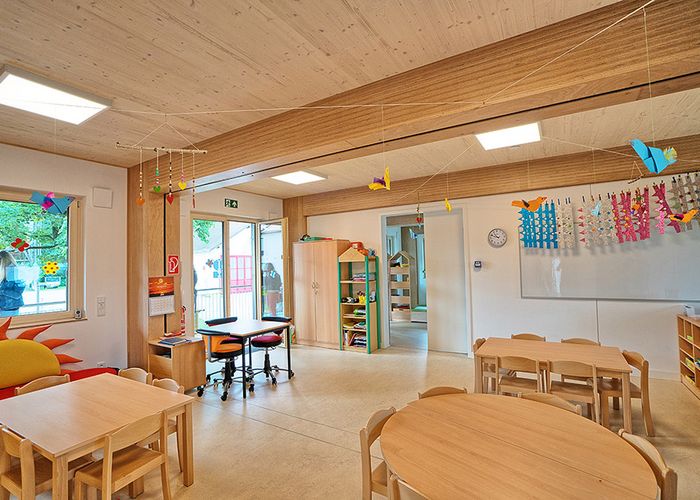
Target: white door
446	282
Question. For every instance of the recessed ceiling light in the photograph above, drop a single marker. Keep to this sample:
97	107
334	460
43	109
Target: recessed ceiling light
23	90
300	177
513	136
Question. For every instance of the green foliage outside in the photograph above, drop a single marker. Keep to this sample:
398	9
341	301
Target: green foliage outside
47	235
202	228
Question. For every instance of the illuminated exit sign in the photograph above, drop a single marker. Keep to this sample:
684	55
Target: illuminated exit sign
229	203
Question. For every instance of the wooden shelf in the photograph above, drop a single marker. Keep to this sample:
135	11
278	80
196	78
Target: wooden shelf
352	316
362	330
356	304
689	352
352	282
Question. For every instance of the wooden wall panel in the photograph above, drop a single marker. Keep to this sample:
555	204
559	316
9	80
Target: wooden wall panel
292	209
544	173
596	68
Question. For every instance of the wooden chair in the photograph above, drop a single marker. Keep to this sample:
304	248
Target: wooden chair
373	480
441	391
612	388
488	370
666	478
42	383
513	384
528	336
136	374
399	490
573	391
576	340
552	400
32	475
124	461
175	426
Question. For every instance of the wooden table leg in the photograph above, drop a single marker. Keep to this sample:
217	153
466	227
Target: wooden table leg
478	375
626	403
188	454
59	483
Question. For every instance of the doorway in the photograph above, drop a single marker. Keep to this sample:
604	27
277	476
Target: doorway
407	282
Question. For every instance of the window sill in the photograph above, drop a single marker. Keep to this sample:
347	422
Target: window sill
29	322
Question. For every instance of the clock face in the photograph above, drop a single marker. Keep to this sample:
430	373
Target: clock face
497	238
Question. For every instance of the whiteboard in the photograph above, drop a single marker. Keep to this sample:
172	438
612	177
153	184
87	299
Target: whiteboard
664	267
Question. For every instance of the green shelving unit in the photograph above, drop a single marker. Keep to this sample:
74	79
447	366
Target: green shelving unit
358	331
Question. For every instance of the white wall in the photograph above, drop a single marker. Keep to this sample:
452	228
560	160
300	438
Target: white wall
250	207
97	338
497	307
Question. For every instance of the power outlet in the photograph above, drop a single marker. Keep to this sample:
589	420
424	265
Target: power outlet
101	306
100	364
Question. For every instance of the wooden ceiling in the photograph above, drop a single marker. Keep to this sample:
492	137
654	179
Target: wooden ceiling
675	115
186	56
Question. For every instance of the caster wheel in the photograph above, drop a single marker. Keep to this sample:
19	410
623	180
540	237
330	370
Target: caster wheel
276	368
274	381
224	396
251	388
291	373
267	375
208	378
200	392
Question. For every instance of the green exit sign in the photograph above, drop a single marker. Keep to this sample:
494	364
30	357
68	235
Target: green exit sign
229	203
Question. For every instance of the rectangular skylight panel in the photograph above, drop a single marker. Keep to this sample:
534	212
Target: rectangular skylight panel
513	136
299	177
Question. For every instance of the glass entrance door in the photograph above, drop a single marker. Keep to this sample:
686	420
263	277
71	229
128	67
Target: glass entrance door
273	267
208	270
242	269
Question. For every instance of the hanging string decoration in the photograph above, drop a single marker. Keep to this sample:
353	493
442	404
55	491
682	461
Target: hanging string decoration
156	188
448	205
182	184
682	200
565	224
640	211
538	229
140	201
664	208
419	214
194	187
170	197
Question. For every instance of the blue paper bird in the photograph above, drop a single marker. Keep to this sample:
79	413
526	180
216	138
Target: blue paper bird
596	210
655	159
51	204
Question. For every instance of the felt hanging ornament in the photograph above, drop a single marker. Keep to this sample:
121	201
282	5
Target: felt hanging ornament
182	184
194	187
140	200
156	188
170	197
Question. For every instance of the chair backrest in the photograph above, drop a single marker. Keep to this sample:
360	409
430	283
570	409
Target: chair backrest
42	383
441	391
169	385
552	400
369	435
572	368
136	374
281	319
478	343
133	434
221	321
666	477
576	340
18	447
518	364
400	490
528	336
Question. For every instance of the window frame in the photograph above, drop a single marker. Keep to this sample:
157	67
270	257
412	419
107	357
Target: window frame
75	278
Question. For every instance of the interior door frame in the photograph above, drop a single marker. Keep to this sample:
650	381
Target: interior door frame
286	263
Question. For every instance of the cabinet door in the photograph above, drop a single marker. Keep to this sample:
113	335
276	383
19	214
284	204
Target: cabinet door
304	293
326	277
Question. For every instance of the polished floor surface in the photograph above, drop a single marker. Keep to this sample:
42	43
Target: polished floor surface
300	439
409	335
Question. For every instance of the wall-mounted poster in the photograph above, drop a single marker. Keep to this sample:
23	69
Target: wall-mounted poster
161	295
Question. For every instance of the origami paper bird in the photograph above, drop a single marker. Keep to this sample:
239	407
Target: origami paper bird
50	203
383	183
448	205
685	218
596	210
655	159
530	206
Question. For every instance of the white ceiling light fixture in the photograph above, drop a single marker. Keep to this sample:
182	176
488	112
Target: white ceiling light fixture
26	91
512	136
300	177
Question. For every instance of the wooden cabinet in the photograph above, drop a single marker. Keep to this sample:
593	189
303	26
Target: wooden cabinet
184	363
689	352
316	291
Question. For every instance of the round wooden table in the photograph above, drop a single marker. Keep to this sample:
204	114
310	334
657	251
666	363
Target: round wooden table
487	446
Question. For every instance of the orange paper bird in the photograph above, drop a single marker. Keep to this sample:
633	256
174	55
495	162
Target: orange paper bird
685	218
531	205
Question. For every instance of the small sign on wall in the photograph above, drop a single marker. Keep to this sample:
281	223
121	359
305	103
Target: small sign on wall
173	264
230	203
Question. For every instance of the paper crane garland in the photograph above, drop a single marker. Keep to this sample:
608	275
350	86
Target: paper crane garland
655	159
531	205
383	183
50	267
49	203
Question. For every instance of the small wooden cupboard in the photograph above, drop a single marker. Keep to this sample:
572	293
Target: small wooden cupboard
316	291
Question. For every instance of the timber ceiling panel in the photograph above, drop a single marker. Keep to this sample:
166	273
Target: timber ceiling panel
675	115
181	56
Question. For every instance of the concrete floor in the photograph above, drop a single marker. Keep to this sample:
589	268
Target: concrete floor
300	439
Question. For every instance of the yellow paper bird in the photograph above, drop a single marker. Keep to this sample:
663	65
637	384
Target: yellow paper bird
531	205
448	205
685	218
383	183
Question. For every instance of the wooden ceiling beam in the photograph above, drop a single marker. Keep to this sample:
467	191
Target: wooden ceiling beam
612	62
540	174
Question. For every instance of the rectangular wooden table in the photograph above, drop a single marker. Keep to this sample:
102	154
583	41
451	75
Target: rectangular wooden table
609	362
70	420
245	329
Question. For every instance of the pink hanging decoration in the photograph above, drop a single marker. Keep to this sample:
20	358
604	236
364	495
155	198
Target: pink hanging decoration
661	218
618	220
627	224
641	211
660	195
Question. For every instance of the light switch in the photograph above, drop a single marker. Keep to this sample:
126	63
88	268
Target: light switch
101	306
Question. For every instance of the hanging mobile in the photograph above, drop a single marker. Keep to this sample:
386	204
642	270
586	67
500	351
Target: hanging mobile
194	188
448	205
140	201
182	184
156	188
170	197
419	215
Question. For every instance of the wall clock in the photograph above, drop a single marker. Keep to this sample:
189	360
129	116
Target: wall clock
497	238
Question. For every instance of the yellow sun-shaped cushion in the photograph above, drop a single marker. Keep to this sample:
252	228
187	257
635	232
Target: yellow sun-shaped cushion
50	267
24	361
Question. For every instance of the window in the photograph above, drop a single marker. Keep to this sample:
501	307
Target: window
40	260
